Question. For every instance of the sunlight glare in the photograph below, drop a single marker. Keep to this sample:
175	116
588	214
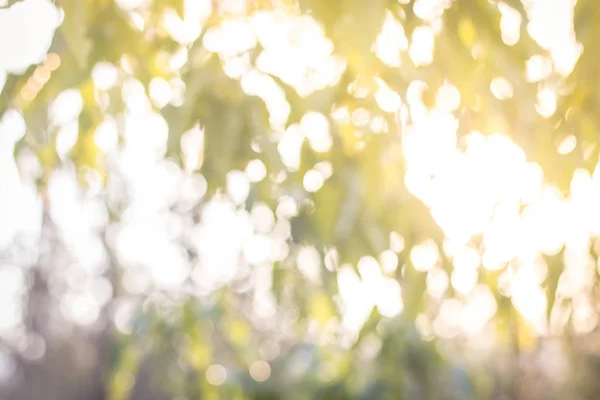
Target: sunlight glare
425	255
391	41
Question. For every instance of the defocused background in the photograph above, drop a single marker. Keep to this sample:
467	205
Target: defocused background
299	199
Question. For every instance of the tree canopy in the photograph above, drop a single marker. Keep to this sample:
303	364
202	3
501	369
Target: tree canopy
272	199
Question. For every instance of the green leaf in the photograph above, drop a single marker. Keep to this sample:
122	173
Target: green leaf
178	5
74	30
357	30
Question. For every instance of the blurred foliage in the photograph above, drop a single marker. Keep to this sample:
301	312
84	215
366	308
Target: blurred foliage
355	211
